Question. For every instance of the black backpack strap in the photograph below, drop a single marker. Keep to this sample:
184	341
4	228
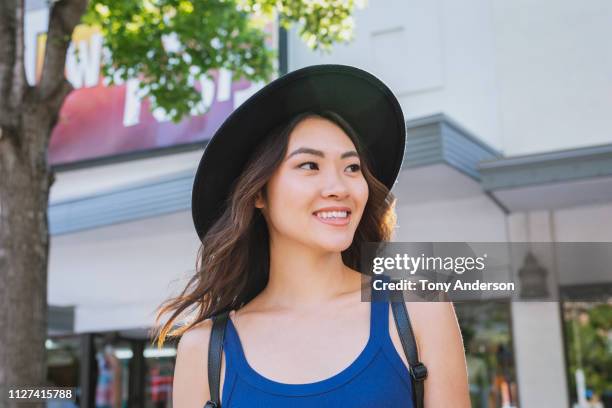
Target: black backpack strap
418	371
215	353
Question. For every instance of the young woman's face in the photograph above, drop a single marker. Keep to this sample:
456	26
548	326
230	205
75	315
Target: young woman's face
318	193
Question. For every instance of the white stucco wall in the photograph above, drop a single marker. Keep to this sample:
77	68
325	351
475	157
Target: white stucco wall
523	76
591	226
554	61
116	276
584	224
436	56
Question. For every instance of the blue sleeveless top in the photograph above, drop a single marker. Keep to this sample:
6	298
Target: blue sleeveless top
376	378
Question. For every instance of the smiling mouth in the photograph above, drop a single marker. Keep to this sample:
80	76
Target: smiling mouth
337	218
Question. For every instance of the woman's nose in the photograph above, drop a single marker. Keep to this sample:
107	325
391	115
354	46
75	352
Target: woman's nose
334	185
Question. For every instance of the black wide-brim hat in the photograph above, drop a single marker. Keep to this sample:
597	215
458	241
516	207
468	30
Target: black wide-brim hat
363	100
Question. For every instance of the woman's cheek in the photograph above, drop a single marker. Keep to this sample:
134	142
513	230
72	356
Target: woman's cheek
362	192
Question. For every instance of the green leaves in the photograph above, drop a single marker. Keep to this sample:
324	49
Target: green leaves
167	44
323	22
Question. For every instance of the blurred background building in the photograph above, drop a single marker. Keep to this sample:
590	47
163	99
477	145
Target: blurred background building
509	138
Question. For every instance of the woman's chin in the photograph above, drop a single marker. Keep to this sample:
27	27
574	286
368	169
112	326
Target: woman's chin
335	245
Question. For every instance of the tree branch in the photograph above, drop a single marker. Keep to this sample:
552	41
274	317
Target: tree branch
19	84
8	28
63	18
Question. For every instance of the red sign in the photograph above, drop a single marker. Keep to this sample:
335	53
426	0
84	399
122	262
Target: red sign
97	120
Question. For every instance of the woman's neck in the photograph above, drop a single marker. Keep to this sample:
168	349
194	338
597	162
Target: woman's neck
301	278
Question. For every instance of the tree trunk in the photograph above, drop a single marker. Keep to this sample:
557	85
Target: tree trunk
24	248
27	117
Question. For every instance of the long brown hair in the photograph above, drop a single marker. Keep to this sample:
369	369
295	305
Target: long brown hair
233	259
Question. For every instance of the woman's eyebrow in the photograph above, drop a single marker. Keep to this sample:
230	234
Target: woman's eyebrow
307	150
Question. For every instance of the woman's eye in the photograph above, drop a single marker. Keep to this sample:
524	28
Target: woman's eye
356	167
309	163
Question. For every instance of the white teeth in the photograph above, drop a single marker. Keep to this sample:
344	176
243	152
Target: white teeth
332	214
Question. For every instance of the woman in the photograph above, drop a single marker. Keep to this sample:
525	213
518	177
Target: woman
288	190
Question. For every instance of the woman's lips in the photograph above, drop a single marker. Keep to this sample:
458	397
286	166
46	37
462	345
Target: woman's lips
337	222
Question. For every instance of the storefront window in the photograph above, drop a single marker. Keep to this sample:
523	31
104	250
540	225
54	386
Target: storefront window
120	370
160	371
488	343
63	366
588	334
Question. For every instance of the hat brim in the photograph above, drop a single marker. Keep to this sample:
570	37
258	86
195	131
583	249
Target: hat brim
364	101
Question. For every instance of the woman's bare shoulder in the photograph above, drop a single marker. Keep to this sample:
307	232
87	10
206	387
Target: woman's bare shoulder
190	387
425	313
432	319
441	349
429	320
193	338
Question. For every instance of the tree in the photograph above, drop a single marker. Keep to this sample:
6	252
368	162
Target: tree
210	34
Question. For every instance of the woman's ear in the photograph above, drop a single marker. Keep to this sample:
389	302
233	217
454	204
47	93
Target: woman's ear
259	201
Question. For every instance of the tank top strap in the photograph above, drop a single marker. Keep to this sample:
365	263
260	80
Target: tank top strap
232	346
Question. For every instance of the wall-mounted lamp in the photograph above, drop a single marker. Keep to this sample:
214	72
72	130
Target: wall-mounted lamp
533	278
